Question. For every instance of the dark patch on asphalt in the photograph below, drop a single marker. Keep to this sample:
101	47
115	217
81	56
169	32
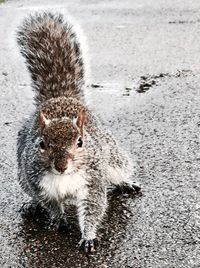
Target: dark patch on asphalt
7	123
23	85
96	86
128	90
184	21
146	82
5	73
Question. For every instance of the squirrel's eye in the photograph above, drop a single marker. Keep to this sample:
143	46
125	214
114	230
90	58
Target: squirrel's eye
80	142
42	145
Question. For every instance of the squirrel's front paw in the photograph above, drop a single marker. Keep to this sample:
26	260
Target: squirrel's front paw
133	190
88	246
129	189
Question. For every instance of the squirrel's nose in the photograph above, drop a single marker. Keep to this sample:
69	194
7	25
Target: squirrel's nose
61	162
61	168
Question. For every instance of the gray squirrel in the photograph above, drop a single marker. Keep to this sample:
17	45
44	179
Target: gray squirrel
62	151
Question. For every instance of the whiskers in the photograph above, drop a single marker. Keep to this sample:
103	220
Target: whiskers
80	161
84	159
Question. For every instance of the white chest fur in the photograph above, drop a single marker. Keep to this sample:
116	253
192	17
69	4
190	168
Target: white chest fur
59	186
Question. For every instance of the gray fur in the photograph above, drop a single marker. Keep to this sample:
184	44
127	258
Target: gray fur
102	163
53	56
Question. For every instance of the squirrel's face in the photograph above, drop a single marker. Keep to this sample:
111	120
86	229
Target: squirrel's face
62	143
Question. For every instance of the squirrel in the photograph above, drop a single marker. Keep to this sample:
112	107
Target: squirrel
62	151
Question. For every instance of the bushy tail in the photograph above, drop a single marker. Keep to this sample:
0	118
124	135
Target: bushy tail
53	56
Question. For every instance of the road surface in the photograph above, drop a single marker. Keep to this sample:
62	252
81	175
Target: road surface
145	72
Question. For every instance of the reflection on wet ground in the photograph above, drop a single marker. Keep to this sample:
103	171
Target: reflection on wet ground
51	249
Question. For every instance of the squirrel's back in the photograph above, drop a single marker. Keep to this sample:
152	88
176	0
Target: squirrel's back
53	56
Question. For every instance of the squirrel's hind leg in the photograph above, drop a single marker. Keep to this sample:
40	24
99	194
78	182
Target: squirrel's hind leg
30	209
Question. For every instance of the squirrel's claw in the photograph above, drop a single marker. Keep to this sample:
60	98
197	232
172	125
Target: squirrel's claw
131	190
89	246
137	189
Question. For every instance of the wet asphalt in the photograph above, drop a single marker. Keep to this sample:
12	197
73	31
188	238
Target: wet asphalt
145	87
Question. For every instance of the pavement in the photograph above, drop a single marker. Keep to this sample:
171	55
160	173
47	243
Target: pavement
145	87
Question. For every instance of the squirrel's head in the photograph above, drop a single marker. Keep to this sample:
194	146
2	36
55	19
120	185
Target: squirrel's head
62	142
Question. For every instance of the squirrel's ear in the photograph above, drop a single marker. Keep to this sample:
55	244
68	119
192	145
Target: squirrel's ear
43	121
81	120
